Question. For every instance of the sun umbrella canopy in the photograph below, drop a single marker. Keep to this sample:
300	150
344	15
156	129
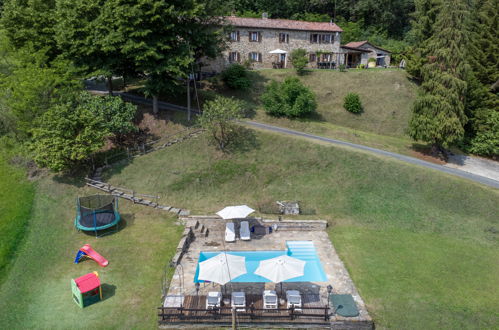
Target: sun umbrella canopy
235	212
278	51
222	268
280	268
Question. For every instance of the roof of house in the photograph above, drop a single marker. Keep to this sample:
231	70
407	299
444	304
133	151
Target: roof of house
283	24
356	49
357	44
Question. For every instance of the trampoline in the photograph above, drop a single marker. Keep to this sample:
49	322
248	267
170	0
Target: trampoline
97	212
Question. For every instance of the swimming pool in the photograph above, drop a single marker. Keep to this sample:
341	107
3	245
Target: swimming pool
303	250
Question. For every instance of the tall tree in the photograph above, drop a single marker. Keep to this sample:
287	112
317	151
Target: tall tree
423	22
163	39
438	116
30	24
482	104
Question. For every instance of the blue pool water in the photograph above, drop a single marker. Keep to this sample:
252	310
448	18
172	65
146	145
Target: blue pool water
304	250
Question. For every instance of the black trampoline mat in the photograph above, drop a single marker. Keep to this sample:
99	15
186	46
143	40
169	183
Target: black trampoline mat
101	219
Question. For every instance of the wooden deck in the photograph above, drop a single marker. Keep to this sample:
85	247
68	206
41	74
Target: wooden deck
194	310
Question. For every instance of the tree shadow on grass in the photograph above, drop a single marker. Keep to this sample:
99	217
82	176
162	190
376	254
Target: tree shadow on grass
244	140
76	179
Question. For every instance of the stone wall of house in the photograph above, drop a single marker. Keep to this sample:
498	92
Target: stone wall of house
269	42
374	53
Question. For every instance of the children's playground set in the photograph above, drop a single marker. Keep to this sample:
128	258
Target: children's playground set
94	213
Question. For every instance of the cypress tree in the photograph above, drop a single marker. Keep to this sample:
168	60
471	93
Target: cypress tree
438	115
482	130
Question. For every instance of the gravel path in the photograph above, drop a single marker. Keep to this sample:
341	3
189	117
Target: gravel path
449	170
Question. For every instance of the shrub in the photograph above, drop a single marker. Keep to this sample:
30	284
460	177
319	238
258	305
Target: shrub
343	68
236	77
290	98
218	119
352	103
299	60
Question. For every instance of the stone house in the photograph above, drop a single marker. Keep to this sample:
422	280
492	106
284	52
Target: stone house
382	56
268	43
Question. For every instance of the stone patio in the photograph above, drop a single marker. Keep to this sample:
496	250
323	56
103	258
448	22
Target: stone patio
207	234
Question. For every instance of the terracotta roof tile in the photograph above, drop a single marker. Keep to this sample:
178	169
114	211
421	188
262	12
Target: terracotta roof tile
356	44
283	24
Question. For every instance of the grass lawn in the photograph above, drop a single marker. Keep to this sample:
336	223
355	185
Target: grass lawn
421	281
417	243
37	292
16	197
387	96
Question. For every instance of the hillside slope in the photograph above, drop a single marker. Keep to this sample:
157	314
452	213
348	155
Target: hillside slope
386	95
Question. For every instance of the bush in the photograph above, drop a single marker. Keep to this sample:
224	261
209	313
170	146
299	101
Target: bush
299	60
343	68
236	77
218	118
290	98
352	103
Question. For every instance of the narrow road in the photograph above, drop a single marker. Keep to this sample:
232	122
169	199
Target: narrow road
407	159
271	128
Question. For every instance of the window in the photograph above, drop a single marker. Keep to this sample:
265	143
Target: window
283	38
316	38
234	57
255	36
234	36
255	57
327	57
312	57
326	38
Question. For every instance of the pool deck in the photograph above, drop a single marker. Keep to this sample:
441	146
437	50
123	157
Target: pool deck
207	234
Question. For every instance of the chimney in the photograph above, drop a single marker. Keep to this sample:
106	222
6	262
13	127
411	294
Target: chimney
265	15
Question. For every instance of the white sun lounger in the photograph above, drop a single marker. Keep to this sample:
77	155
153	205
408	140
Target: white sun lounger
213	299
230	232
270	299
244	231
238	301
293	298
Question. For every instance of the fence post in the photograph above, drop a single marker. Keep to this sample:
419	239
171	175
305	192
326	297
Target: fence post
292	310
133	196
326	314
128	152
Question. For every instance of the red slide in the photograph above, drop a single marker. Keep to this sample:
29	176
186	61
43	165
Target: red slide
87	249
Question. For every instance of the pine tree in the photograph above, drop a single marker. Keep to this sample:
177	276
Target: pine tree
423	21
438	116
482	130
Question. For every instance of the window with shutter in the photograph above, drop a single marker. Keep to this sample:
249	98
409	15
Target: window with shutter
233	57
234	36
254	36
283	38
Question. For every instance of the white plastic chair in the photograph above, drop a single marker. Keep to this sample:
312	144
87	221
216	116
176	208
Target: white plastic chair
293	298
238	300
270	300
213	299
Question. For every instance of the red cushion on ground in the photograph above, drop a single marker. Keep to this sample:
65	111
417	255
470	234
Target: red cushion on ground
87	282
